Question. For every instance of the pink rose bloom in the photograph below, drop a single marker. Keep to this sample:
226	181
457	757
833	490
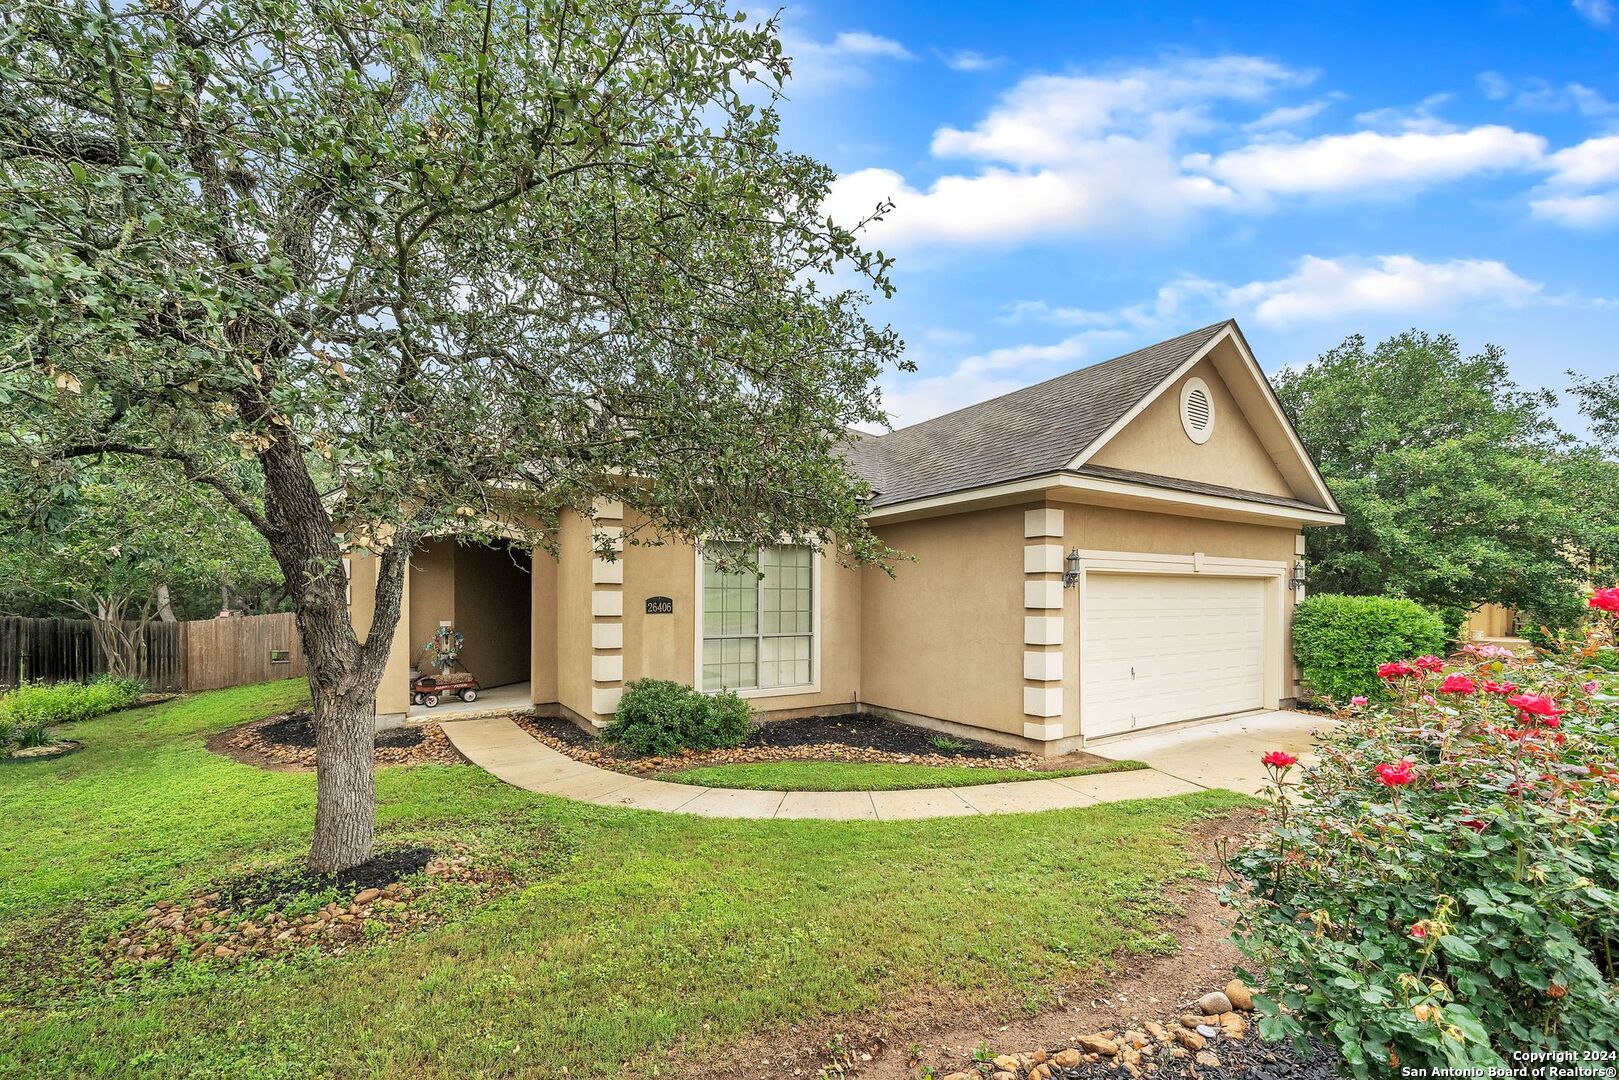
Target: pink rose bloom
1357	700
1590	687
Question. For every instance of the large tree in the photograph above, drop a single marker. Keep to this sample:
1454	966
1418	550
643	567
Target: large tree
117	545
425	265
1450	477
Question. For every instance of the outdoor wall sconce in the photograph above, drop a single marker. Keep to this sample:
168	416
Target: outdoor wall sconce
1070	574
1296	580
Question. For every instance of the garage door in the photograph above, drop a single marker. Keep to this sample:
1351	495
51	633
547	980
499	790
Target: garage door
1160	648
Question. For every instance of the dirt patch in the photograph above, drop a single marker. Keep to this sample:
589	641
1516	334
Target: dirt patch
948	1029
287	743
852	738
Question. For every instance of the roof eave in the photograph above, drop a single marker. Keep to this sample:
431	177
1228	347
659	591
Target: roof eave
1064	486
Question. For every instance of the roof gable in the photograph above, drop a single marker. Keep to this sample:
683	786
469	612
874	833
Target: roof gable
1156	442
1027	432
1061	424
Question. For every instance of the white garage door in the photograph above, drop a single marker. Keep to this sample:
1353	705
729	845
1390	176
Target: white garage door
1160	648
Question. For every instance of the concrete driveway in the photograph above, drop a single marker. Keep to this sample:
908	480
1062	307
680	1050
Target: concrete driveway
1220	753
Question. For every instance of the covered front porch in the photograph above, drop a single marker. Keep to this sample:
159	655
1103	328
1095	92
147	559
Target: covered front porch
483	591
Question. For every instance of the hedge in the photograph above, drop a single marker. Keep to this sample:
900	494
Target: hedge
1338	641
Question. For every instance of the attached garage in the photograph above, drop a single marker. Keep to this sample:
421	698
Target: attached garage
1162	648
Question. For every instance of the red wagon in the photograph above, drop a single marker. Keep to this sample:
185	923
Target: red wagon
427	689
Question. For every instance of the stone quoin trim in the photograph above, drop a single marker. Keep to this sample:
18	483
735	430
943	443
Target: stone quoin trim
1042	624
607	610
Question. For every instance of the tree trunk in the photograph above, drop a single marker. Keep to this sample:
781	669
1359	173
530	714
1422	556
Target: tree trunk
343	674
165	610
345	780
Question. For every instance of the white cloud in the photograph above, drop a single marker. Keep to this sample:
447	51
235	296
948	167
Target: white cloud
1538	95
1594	161
1566	198
1115	154
1370	162
844	61
860	43
1051	119
1322	290
1418	117
1286	116
968	60
1599	12
995	372
1493	85
1068	154
1587	211
1316	290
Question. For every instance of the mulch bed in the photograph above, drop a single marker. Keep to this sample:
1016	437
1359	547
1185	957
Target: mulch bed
272	912
287	742
851	738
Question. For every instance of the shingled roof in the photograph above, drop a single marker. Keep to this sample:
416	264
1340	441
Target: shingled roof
1029	432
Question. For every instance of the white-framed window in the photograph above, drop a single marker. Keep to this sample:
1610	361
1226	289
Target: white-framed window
758	630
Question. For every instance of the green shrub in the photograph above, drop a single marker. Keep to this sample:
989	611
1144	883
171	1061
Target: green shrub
1440	889
44	704
20	736
659	717
1452	619
1338	641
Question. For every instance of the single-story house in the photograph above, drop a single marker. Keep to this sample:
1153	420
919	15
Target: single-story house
1111	550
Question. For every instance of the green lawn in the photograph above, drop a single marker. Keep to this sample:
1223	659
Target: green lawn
862	776
634	934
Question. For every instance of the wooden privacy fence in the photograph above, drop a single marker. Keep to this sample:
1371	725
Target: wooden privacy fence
203	655
241	650
66	650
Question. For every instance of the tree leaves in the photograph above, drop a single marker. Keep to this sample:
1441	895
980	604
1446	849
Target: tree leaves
1454	482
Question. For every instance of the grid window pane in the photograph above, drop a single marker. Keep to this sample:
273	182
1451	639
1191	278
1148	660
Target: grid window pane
758	628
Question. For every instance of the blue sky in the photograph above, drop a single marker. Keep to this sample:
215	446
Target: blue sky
1076	180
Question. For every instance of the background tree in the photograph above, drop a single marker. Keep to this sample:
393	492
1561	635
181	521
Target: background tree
113	543
426	265
1451	478
1599	401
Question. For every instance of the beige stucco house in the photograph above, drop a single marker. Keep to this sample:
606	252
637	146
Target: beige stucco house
1111	550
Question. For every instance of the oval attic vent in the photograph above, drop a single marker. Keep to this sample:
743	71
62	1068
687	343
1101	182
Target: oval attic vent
1197	410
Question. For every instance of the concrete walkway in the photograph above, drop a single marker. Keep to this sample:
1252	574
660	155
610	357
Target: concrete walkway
510	753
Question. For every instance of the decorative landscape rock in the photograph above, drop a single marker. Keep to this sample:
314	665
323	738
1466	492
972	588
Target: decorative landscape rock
1240	996
215	926
1214	1003
40	753
1205	1047
288	742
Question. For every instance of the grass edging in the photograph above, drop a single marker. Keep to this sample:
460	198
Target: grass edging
869	776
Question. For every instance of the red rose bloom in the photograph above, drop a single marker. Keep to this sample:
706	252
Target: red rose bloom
1279	759
1500	687
1396	775
1429	663
1605	599
1396	670
1475	824
1418	931
1457	684
1538	706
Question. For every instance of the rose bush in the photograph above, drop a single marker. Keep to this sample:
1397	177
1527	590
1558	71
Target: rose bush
1441	888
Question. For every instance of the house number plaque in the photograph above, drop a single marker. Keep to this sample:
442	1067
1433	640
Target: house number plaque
659	605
